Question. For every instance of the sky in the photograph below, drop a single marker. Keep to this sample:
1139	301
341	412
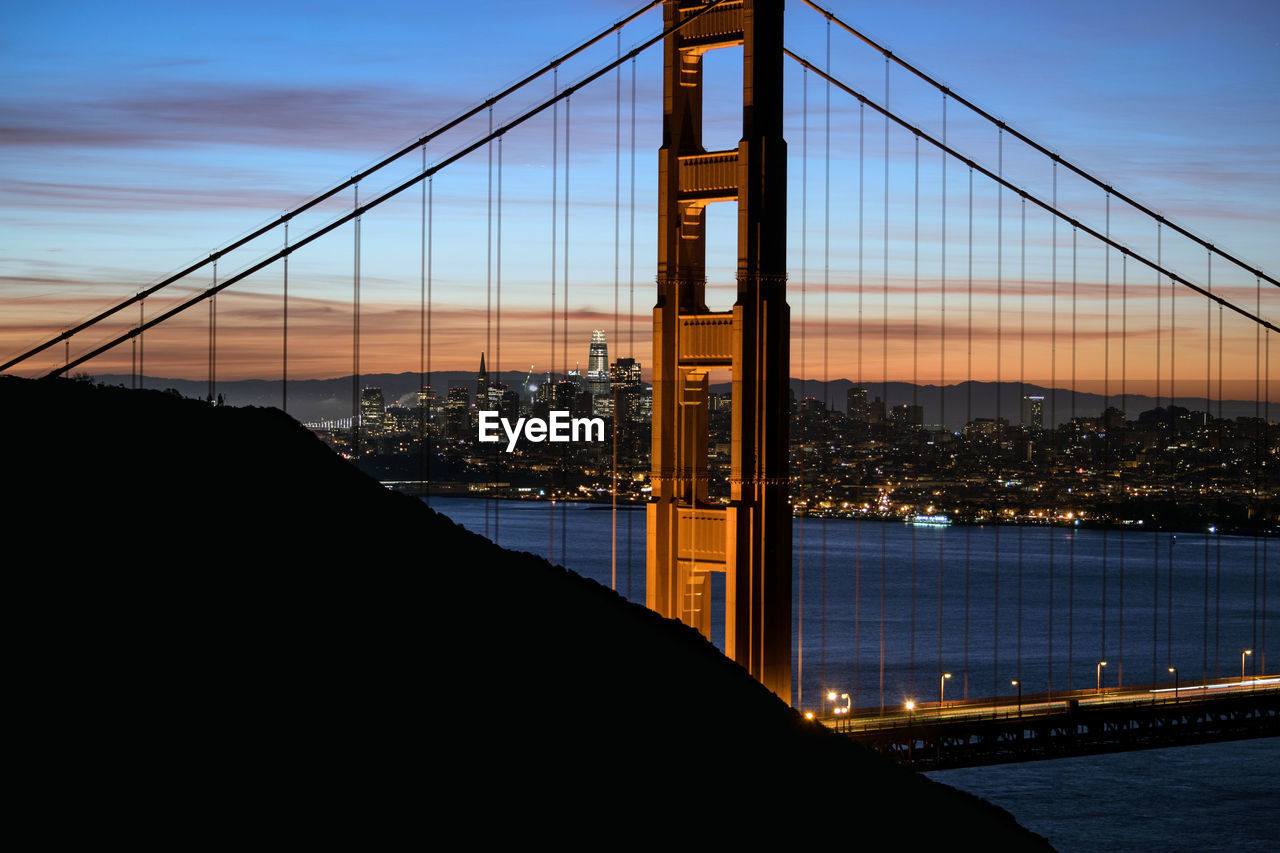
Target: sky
136	137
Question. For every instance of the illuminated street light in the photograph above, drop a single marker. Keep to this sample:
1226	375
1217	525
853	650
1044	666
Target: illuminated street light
1018	684
1242	657
1174	670
1101	664
942	691
911	704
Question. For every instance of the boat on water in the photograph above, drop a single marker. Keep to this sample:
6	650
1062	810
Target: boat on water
929	519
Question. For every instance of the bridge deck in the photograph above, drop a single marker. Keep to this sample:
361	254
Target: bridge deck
968	733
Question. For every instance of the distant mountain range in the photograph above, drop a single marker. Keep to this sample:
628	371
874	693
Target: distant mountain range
330	399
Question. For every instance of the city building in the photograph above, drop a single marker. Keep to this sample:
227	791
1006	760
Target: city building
372	408
1033	412
598	367
457	412
856	405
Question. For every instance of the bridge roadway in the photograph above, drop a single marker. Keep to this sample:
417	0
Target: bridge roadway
973	732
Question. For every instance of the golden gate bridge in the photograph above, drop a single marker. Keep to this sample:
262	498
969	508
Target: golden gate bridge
1014	265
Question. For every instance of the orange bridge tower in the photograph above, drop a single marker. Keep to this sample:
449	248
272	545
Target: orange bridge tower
750	538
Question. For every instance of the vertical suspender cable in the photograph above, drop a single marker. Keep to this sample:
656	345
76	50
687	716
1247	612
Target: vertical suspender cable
491	453
617	271
430	254
213	339
862	415
284	331
826	377
422	340
1106	404
355	331
1053	412
1173	432
1217	611
804	384
968	418
942	361
555	189
1208	416
884	365
1073	437
1266	481
142	372
1124	405
564	332
995	617
497	340
1260	649
1155	561
915	379
1022	393
631	304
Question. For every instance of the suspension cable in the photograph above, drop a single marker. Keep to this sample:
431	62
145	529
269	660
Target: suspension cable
968	438
361	175
342	220
1156	266
1037	146
284	328
804	383
884	365
915	381
1073	437
497	346
564	331
1106	429
555	190
863	413
942	362
213	340
1053	414
430	255
1124	405
617	281
995	621
422	342
826	340
355	331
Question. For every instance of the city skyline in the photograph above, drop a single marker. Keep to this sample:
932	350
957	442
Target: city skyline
266	123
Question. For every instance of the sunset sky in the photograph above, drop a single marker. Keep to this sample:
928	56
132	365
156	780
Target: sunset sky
138	137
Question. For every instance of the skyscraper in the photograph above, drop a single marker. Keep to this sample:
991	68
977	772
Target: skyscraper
458	413
598	366
856	405
482	385
372	407
1033	412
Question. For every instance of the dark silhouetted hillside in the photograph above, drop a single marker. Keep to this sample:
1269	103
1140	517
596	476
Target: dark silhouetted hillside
225	633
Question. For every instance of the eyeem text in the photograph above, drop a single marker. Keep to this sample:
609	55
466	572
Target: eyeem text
559	427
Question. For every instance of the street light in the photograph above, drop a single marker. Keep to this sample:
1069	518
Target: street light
942	698
1101	664
1242	656
911	704
1174	670
1018	684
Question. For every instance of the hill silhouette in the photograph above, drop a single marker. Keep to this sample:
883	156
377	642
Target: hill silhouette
226	633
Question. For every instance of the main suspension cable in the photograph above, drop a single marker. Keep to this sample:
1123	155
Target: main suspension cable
365	173
1037	146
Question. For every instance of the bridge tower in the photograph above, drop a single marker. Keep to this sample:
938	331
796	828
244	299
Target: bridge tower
750	539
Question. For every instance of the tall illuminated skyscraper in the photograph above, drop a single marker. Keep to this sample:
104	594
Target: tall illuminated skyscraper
598	367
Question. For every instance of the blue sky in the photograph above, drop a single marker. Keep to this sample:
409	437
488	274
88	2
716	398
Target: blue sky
139	136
